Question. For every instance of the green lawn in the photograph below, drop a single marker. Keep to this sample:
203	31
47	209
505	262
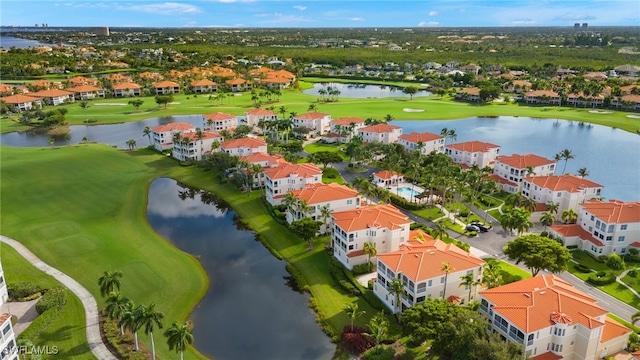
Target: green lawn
317	147
67	331
510	272
429	213
331	175
82	210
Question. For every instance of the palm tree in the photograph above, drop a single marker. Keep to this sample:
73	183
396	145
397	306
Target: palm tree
552	207
312	108
52	141
352	311
290	201
529	205
491	277
439	230
396	288
325	214
468	282
388	118
447	268
147	132
116	305
530	171
583	172
304	209
514	200
369	248
378	328
569	216
179	337
109	282
84	105
448	134
129	320
565	155
148	318
547	219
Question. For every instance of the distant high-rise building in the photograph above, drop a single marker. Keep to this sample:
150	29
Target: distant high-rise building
103	31
576	26
585	25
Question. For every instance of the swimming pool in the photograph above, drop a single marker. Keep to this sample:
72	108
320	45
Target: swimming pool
408	192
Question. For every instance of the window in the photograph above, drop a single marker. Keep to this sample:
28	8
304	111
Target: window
621	238
422	287
623	227
6	329
611	228
592	217
442	280
609	238
597	224
430	282
530	340
559	194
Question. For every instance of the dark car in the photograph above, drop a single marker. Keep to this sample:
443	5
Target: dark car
482	227
472	228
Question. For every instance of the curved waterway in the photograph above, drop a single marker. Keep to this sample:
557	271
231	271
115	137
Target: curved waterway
251	310
362	91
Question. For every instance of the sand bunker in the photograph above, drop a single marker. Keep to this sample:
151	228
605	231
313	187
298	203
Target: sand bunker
600	112
110	104
174	103
633	116
412	110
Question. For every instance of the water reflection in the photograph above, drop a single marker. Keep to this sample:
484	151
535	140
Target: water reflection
361	90
249	312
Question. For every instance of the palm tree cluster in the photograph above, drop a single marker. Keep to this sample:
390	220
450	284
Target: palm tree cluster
565	155
329	94
132	317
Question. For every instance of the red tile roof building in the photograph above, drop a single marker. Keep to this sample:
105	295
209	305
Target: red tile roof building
334	196
219	121
546	314
473	153
203	86
126	89
166	88
386	178
383	225
252	117
316	122
568	191
282	179
162	135
22	102
86	92
425	142
195	145
54	96
384	133
513	168
603	228
244	146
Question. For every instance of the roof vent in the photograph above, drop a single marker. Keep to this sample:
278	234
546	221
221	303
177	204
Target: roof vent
416	255
542	292
527	295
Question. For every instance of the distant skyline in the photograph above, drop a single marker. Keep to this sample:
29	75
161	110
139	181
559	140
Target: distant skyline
312	14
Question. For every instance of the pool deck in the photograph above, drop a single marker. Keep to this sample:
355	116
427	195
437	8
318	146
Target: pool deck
416	189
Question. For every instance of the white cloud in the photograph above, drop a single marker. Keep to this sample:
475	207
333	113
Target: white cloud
429	23
433	13
570	16
519	22
166	8
300	7
355	19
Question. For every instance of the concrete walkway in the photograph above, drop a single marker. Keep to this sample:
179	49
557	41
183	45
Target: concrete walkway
94	339
619	281
24	311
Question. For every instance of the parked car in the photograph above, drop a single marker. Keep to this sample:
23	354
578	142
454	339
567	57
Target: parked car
472	228
481	226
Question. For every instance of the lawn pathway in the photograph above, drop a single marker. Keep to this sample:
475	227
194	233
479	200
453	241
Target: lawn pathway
94	339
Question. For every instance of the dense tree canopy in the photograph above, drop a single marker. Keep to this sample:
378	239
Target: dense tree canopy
538	253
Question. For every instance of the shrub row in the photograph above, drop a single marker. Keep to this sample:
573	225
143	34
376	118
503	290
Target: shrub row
336	272
54	298
600	279
582	268
321	320
361	269
120	344
632	258
22	289
300	284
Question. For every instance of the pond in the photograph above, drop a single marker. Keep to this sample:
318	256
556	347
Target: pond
610	155
362	91
250	310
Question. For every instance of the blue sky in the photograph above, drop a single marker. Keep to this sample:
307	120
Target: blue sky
348	13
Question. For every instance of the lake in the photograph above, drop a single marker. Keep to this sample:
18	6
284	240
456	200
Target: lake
362	91
610	155
8	42
250	311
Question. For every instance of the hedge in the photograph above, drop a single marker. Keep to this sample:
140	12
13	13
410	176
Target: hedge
22	289
601	280
38	325
582	268
55	297
632	258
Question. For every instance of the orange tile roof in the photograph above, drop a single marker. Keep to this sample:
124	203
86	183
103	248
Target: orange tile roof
126	86
537	93
51	93
421	258
150	75
84	88
614	211
387	174
522	83
322	193
276	80
260	112
346	121
193	136
497	178
470	91
243	142
416	137
203	82
303	170
4	317
567	182
176	126
547	356
41	83
217	116
377	216
82	80
380	128
311	116
19	99
632	97
4	88
237	81
259	157
523	161
533	304
612	330
573	230
165	84
473	146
